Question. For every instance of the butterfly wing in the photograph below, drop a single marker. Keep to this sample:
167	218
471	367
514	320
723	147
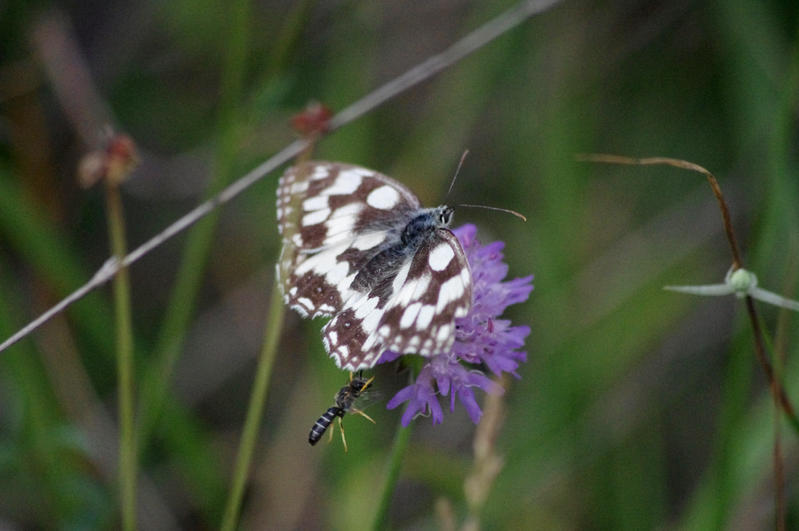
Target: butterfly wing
431	289
333	218
437	290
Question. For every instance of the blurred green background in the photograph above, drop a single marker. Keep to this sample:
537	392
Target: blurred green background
637	409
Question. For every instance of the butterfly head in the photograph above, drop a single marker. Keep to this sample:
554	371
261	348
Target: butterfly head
443	215
425	221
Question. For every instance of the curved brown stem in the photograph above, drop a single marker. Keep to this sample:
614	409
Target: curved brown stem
776	389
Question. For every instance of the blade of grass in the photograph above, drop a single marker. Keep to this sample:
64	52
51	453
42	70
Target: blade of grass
778	350
44	246
190	446
182	301
741	462
30	389
767	114
252	423
26	230
391	476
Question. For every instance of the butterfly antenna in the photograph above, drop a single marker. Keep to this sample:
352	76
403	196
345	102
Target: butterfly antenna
457	171
506	210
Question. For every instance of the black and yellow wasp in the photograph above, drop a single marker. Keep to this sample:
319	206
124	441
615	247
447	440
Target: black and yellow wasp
345	400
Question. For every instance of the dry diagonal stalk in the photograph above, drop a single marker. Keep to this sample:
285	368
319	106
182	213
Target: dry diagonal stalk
487	463
421	72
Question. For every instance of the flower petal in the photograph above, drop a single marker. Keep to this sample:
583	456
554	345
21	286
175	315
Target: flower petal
481	339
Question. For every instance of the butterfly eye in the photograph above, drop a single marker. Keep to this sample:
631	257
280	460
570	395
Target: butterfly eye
445	216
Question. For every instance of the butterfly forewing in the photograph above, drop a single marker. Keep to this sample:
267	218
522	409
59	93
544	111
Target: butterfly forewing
330	217
344	256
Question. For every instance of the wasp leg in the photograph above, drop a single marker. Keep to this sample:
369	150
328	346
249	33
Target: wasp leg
343	439
330	433
361	413
368	383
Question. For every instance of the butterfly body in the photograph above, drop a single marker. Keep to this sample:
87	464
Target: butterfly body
409	238
358	247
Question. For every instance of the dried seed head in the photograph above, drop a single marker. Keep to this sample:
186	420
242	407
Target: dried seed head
312	121
113	163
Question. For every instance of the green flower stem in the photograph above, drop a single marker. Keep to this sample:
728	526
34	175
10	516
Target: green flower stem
274	325
124	347
395	459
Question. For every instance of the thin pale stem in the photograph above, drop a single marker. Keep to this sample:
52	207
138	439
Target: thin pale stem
487	463
249	436
425	70
124	342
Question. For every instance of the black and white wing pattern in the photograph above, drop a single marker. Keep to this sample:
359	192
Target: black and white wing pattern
358	247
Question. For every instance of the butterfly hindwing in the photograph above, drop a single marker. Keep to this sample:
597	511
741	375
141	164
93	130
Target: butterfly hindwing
436	291
430	289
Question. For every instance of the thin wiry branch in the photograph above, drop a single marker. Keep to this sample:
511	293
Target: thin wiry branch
424	70
685	165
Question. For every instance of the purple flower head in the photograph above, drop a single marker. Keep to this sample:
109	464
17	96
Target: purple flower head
481	339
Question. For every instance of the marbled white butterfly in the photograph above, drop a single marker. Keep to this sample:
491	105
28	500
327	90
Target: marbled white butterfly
358	247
